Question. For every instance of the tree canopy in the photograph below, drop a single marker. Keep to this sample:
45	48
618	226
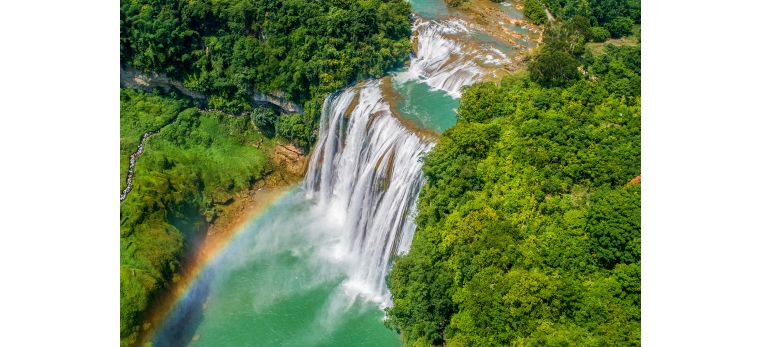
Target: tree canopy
301	50
228	49
528	228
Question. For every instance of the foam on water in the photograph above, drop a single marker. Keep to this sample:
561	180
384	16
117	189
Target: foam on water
445	61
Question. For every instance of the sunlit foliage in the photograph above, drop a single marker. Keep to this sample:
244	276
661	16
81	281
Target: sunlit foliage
230	49
196	163
528	231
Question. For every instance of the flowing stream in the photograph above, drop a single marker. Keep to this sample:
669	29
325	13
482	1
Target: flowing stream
310	270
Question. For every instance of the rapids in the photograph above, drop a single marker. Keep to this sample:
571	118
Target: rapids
445	60
311	269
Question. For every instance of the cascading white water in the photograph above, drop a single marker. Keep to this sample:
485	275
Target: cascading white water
444	61
366	171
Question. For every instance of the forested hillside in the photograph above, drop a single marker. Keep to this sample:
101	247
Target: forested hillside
229	48
529	223
609	18
189	169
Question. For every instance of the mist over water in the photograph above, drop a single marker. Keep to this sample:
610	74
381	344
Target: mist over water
280	283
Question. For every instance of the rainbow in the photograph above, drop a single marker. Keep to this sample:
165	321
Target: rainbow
213	246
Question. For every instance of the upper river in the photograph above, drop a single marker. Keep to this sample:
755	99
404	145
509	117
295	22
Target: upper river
310	270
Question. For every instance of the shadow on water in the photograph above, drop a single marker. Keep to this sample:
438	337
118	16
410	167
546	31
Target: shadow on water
179	328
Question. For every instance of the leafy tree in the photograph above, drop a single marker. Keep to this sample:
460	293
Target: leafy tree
553	68
292	127
620	26
535	11
599	34
265	118
599	13
614	224
230	49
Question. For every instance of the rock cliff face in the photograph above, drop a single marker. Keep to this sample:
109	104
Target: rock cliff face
133	78
278	100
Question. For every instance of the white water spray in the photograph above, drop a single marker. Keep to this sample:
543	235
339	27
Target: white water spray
445	61
366	173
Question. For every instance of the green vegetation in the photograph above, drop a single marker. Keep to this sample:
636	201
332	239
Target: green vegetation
535	12
194	165
565	49
265	118
229	49
599	34
620	26
555	65
528	231
616	16
141	113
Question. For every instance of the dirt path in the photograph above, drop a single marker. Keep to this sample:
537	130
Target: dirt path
133	160
550	16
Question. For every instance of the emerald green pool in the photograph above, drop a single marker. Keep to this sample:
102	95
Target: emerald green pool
430	9
430	109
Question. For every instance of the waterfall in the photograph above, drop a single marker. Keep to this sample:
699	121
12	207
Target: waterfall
447	59
366	171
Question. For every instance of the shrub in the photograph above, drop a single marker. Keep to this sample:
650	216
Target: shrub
293	128
534	10
620	26
553	68
265	118
599	34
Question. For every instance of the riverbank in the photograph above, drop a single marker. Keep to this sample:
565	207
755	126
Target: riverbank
505	23
290	165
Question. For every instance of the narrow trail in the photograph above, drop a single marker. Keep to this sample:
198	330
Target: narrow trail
134	156
547	13
133	160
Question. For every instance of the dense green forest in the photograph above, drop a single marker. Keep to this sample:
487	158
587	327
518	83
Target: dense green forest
529	221
190	168
227	49
608	18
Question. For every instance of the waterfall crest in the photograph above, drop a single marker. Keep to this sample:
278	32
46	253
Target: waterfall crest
366	174
446	57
